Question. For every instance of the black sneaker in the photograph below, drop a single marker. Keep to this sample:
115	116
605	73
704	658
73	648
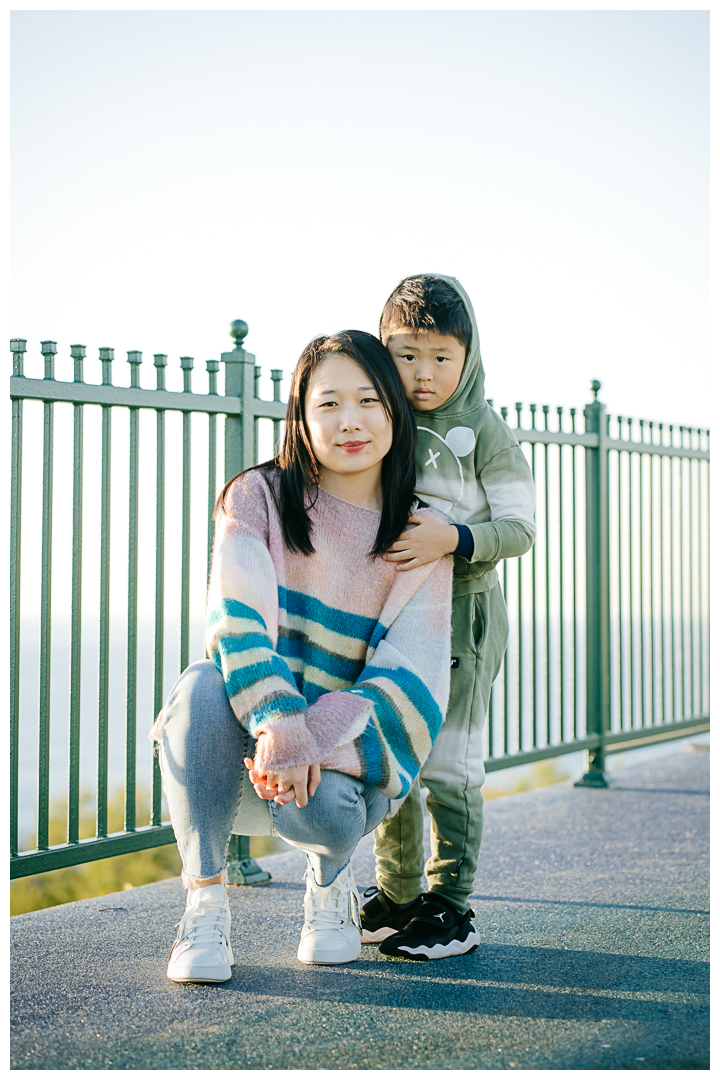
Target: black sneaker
381	916
434	932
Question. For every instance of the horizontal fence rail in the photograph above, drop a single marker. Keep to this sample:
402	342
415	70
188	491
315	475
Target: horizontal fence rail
608	645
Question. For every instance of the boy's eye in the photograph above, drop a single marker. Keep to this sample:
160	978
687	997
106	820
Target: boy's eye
440	359
409	357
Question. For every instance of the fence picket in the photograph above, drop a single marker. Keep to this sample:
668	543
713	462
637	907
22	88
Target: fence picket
160	362
77	352
17	346
101	817
135	359
49	348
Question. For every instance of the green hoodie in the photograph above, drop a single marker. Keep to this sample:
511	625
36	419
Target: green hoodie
470	466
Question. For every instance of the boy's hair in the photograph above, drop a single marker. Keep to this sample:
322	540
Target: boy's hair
422	304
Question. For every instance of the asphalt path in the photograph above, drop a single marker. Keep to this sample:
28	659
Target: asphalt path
593	913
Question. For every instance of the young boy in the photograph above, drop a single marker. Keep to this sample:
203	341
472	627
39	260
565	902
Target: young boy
471	467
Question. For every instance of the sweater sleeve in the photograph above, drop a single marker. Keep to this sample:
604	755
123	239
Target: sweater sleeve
241	626
399	700
510	491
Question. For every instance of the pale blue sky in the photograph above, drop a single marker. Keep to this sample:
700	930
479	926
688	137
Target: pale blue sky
173	170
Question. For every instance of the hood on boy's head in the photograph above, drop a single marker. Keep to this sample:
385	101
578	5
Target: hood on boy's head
470	391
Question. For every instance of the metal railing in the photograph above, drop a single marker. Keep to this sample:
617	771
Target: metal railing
241	409
609	641
609	620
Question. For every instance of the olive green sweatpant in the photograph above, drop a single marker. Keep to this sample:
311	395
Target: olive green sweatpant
454	772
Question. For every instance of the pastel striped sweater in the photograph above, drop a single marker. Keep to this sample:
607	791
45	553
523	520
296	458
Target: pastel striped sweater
335	657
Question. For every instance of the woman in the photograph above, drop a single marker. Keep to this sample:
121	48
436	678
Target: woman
320	651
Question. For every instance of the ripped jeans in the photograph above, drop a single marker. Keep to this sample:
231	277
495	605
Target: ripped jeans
202	750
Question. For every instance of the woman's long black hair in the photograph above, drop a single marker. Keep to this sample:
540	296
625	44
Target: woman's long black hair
296	490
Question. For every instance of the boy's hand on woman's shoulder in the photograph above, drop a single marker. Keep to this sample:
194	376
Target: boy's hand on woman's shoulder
426	542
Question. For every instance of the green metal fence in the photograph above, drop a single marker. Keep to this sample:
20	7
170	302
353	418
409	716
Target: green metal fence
609	620
608	613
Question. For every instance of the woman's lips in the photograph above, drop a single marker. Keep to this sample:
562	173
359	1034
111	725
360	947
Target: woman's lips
352	447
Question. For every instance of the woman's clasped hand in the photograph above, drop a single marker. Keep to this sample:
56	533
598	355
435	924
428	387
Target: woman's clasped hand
284	785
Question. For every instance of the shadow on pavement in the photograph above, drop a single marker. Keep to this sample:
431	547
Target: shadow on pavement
528	977
589	903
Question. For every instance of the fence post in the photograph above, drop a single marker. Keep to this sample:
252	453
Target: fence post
239	382
240	454
597	603
18	347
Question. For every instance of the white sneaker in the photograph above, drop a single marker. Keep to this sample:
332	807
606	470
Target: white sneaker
202	952
331	934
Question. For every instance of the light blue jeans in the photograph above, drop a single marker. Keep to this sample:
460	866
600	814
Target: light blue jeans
202	748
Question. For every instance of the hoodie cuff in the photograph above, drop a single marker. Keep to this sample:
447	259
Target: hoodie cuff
486	542
466	544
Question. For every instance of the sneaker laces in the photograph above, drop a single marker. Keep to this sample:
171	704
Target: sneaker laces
328	904
203	924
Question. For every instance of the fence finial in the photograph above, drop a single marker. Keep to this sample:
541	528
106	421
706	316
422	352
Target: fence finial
238	331
276	375
106	357
18	347
134	357
212	367
48	350
186	363
78	354
160	362
595	386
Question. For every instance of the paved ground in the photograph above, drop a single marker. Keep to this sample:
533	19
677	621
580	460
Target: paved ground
593	911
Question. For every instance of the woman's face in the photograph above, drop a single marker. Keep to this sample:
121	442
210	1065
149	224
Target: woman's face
348	428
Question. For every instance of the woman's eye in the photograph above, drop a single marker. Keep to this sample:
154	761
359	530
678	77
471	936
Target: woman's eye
328	404
369	400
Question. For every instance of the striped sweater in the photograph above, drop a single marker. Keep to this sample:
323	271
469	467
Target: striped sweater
335	657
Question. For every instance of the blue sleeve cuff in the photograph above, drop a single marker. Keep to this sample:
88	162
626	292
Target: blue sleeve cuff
466	544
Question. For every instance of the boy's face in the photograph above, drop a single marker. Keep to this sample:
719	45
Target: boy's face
430	366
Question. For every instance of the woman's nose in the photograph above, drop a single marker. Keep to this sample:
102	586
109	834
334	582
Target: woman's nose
349	420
